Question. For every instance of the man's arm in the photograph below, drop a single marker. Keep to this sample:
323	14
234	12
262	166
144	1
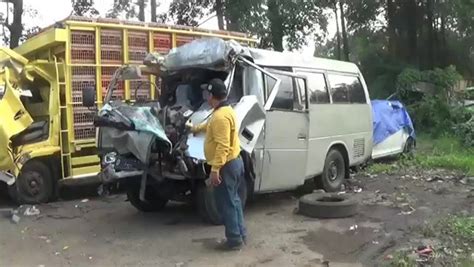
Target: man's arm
201	128
221	133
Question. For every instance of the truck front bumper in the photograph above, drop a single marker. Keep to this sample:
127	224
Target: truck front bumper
109	175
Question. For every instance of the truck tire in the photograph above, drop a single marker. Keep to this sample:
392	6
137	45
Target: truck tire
154	201
326	205
206	203
34	185
333	173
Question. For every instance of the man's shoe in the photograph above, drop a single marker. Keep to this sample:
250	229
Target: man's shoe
226	246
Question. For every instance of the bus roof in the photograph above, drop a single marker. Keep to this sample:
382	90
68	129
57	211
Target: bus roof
269	58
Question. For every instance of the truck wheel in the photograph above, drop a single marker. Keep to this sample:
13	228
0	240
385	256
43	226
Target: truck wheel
327	206
206	203
153	203
34	185
333	173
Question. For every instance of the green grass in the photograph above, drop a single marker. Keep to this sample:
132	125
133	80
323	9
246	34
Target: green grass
444	152
461	227
381	168
401	259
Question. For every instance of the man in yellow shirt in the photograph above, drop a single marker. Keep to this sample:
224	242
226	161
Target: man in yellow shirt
222	152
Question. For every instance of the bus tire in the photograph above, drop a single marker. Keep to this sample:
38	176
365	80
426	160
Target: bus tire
333	173
34	185
154	201
327	205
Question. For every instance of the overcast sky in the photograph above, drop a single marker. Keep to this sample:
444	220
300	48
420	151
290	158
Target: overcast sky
50	11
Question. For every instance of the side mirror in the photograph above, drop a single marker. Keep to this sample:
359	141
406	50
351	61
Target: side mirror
131	73
88	97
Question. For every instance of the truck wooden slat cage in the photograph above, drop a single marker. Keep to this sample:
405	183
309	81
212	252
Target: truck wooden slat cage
88	52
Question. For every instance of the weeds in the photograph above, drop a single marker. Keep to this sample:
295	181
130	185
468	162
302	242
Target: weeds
402	259
445	152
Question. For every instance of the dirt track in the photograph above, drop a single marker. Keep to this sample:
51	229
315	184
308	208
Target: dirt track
107	231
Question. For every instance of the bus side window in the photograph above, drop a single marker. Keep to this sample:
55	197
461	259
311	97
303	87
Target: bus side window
285	97
346	89
317	88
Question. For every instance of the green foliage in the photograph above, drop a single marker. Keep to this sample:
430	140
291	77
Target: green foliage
84	8
431	110
465	132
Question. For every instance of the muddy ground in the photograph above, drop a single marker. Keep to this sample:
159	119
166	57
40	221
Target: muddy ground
108	231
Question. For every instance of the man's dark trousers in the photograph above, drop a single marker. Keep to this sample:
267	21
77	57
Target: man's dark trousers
229	203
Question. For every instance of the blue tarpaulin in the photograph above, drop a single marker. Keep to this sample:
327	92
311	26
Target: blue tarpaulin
388	118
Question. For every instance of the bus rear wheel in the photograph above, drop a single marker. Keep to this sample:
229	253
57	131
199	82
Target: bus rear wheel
333	173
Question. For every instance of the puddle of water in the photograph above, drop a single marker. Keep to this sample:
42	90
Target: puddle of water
339	246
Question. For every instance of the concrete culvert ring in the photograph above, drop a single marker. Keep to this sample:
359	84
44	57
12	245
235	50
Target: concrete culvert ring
326	205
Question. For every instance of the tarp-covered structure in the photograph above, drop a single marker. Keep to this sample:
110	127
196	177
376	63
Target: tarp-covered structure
207	53
388	118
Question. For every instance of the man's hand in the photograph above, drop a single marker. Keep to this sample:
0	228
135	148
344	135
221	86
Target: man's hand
188	124
215	178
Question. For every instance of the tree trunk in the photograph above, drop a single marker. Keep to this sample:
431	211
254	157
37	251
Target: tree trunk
344	33
392	36
220	14
232	12
338	33
275	24
16	27
141	10
153	10
443	51
412	31
430	34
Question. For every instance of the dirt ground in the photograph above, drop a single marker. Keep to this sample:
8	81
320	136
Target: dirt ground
108	231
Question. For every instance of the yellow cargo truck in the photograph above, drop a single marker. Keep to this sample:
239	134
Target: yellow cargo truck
46	134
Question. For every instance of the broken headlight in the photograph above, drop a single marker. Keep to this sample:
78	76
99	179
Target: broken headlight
109	158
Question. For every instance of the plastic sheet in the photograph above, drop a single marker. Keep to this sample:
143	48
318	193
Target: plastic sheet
388	118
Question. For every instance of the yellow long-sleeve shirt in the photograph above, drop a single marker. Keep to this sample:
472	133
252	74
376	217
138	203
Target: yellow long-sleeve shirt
222	142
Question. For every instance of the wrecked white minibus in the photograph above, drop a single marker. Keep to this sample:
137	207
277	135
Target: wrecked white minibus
300	118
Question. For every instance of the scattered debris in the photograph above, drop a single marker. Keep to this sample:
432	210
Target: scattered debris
357	189
353	227
424	253
467	180
375	242
434	179
31	211
296	252
15	218
406	210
